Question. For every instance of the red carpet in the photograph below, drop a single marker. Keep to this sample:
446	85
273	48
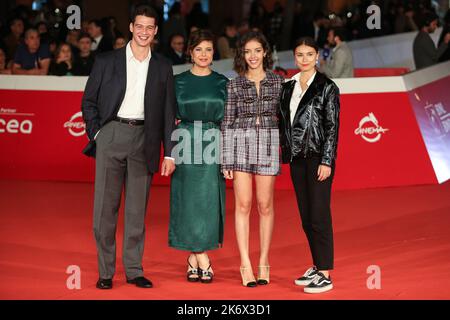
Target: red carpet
47	226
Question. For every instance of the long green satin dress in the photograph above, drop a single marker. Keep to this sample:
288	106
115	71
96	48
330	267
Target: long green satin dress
197	192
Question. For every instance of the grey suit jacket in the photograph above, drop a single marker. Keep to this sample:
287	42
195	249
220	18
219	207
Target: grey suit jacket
425	52
340	63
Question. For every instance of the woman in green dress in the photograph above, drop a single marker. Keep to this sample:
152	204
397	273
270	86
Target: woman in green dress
197	195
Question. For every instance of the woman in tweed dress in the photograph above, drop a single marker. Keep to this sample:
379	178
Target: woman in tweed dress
250	146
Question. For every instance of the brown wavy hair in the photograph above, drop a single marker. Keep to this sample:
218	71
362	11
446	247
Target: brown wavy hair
198	37
240	66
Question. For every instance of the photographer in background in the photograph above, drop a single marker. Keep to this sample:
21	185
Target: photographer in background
424	50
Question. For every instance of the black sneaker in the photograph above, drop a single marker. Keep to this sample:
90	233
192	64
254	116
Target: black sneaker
307	277
319	284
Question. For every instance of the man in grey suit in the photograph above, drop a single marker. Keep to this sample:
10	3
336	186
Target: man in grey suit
129	109
340	62
424	50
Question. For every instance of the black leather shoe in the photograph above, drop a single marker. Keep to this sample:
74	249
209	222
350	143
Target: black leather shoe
104	283
141	282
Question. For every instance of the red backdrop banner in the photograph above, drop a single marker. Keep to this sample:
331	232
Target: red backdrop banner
380	142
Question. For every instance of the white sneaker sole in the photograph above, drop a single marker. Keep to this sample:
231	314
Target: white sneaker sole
318	290
302	282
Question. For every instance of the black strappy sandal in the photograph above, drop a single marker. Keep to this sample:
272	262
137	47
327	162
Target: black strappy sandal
192	273
206	276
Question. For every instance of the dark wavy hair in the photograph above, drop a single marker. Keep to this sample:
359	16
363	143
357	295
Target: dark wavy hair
198	37
240	66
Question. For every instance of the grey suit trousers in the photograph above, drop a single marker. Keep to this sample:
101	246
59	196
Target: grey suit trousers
120	164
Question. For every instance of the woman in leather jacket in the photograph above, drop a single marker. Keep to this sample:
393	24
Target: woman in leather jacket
309	123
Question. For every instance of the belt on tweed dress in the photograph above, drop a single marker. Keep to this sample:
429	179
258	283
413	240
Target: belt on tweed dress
252	115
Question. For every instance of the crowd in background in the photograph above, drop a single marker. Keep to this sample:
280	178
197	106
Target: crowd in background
38	42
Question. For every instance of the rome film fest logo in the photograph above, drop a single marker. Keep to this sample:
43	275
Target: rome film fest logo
76	125
369	129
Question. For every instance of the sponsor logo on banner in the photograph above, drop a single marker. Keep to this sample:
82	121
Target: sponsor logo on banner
439	118
14	122
76	125
369	129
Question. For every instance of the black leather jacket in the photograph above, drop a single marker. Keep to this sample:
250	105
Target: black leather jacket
314	131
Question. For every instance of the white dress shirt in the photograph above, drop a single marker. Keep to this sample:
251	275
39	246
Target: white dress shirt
96	42
132	106
298	94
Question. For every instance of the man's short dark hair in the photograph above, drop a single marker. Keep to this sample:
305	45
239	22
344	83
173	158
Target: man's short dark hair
427	18
229	23
146	11
96	22
14	20
172	36
84	35
339	32
30	31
